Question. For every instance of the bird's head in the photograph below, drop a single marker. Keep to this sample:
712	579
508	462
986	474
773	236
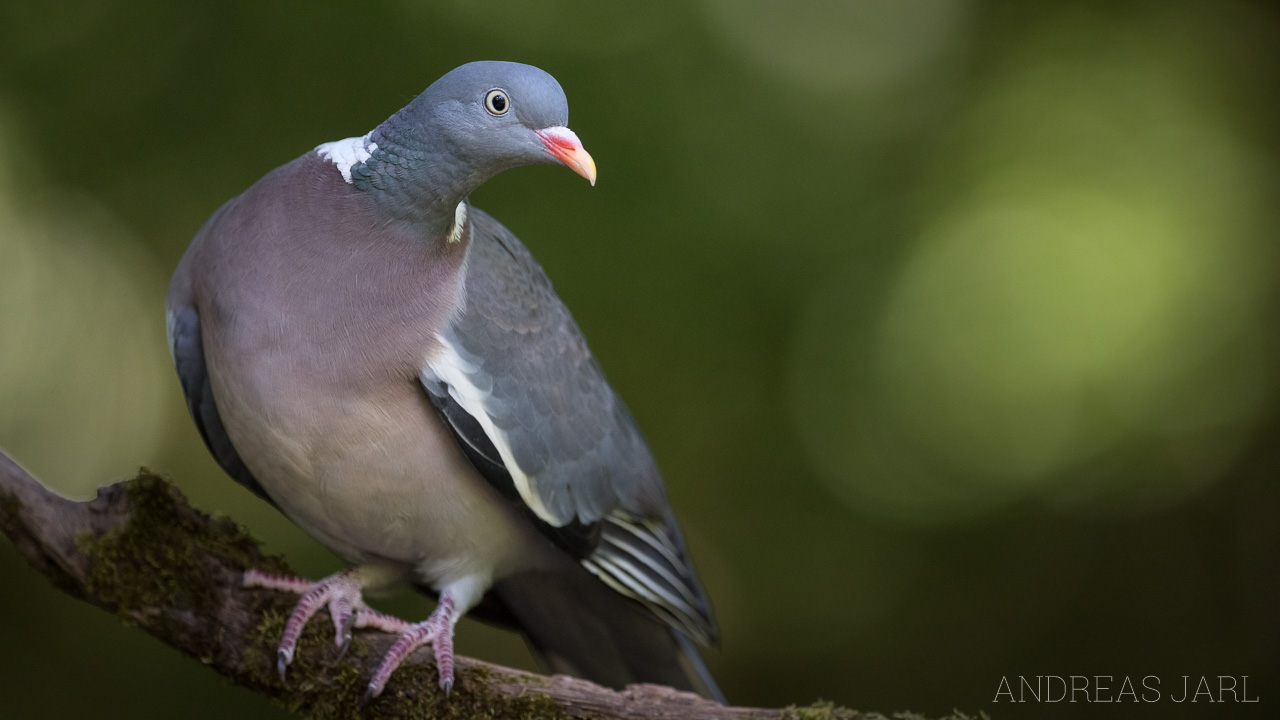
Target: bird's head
498	115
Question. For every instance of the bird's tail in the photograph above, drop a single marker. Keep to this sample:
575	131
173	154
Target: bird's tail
578	626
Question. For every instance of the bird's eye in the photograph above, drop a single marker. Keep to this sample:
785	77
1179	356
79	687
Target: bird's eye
496	102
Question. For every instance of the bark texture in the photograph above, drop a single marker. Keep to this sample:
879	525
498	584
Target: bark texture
138	550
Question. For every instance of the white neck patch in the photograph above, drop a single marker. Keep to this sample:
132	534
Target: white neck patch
347	153
459	222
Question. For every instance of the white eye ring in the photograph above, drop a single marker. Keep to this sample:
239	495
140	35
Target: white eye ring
497	102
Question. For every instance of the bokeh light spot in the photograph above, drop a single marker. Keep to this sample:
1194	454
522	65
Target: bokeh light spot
83	371
1088	281
842	47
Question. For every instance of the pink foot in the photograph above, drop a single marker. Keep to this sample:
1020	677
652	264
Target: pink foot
436	630
340	592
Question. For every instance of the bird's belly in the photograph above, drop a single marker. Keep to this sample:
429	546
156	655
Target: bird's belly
375	476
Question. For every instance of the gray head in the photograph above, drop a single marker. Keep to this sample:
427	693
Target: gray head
471	124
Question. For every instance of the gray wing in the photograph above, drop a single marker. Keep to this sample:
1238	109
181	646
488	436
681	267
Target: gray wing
188	355
532	409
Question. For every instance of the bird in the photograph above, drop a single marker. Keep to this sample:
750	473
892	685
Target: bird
392	369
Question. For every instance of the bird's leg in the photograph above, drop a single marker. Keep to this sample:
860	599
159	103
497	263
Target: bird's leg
455	600
341	592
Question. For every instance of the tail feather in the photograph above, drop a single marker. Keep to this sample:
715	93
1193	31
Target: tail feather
578	626
696	670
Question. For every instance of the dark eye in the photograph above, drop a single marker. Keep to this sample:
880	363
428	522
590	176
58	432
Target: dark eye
496	102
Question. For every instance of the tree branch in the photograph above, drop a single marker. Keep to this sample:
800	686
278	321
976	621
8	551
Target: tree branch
140	551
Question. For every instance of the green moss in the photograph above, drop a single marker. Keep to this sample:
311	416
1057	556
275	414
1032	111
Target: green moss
258	661
334	691
167	556
826	710
471	698
820	710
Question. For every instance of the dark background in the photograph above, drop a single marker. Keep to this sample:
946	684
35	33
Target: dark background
952	324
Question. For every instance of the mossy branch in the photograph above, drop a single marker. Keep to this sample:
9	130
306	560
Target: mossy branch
140	551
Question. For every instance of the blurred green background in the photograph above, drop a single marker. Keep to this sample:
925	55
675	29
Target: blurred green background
952	324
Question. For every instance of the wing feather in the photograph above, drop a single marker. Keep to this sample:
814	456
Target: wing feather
516	383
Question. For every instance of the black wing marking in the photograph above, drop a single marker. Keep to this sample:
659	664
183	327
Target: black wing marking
188	355
577	538
644	560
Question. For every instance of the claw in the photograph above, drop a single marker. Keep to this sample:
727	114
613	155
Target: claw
283	658
344	640
343	624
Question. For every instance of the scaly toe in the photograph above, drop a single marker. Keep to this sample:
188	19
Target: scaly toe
417	636
443	648
343	597
341	593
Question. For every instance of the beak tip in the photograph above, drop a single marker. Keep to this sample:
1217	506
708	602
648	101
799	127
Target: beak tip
582	163
565	147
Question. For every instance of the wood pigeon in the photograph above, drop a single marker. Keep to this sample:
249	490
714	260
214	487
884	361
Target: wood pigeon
392	369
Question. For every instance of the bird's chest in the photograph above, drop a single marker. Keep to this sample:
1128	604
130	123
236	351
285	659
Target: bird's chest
356	455
315	373
331	325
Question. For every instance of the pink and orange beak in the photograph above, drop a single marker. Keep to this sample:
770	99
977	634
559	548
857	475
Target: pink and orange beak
565	146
